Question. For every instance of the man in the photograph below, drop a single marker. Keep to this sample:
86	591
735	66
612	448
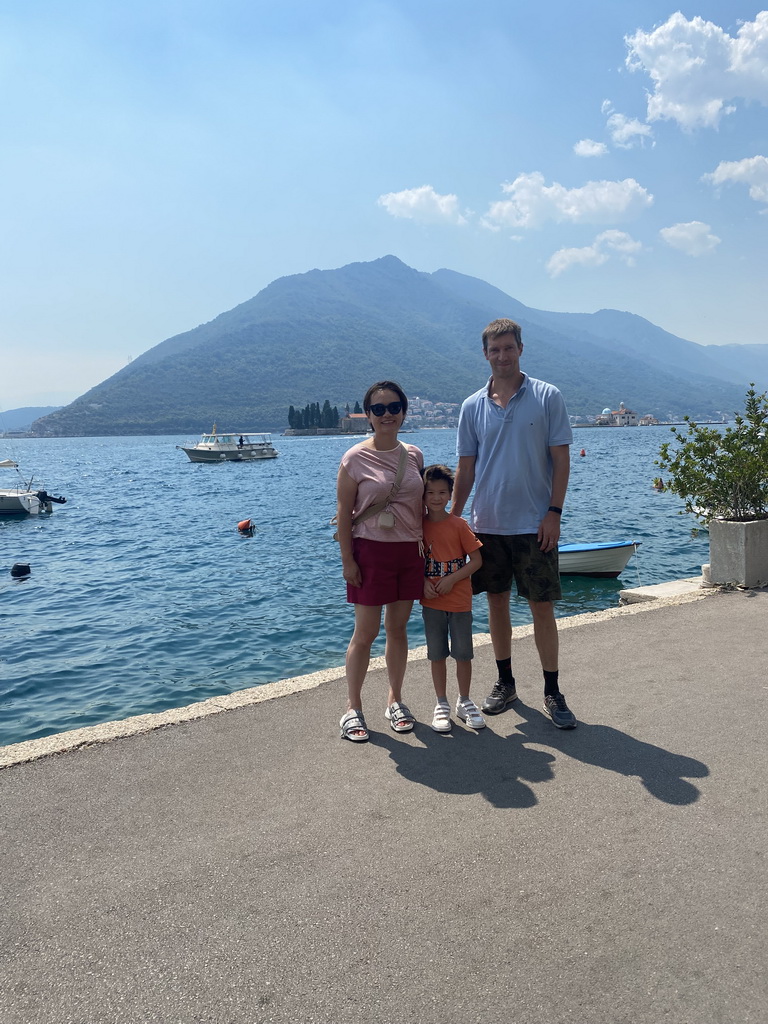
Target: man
513	447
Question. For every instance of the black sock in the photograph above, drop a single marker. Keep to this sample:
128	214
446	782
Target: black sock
550	683
505	671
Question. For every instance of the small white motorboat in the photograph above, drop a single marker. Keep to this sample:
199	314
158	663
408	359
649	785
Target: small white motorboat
21	500
235	446
605	560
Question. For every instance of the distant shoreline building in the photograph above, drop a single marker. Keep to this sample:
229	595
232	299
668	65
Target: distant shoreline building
621	417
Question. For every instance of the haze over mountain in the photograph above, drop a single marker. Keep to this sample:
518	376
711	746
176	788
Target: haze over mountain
329	334
22	419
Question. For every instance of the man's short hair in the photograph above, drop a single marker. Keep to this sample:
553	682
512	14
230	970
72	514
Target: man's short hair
496	328
432	474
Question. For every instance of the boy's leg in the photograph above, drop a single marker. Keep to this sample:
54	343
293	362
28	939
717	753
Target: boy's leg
464	678
460	627
440	678
436	633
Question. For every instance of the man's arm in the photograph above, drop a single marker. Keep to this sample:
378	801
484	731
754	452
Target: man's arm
462	485
549	528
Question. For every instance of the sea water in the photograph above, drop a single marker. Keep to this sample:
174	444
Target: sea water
144	596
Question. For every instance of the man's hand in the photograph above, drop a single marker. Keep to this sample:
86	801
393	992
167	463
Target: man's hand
549	531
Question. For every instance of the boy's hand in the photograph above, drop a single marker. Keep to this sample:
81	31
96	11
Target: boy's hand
444	585
429	590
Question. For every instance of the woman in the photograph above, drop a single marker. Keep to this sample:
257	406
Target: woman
380	501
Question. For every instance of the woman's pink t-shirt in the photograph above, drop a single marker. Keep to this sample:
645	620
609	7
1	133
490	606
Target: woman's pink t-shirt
374	473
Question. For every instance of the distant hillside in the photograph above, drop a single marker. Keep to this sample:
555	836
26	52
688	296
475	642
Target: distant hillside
331	333
22	419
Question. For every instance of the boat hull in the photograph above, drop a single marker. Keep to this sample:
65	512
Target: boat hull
600	561
230	446
21	503
218	455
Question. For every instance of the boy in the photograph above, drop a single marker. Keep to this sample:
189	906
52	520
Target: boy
447	602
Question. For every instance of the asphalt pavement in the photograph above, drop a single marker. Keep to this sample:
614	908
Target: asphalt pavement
250	867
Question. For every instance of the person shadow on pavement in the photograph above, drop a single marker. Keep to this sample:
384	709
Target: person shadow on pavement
663	774
466	762
498	766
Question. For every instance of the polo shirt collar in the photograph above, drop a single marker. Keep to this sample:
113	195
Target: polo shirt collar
522	387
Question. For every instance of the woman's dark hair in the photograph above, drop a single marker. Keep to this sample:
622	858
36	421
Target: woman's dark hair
431	474
385	385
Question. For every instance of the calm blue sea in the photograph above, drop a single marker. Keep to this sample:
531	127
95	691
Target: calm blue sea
143	596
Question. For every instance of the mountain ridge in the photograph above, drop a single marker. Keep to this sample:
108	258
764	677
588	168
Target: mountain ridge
329	333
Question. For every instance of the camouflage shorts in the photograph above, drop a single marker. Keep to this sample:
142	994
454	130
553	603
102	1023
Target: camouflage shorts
519	558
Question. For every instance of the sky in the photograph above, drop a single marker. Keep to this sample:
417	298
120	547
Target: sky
164	160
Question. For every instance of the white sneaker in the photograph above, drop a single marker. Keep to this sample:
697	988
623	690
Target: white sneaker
469	712
441	720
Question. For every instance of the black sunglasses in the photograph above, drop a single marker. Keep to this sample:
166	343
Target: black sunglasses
393	408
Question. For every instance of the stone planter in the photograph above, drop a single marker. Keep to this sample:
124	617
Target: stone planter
738	552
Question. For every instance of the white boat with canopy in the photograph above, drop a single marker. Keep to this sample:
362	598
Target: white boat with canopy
231	446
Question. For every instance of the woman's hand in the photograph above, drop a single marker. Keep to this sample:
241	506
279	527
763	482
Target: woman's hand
351	573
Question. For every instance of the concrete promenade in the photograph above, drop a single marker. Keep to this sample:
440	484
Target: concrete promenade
249	867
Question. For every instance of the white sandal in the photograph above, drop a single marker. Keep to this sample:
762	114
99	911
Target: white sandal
441	720
469	712
400	718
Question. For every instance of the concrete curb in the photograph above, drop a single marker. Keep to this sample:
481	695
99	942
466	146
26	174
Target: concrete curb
74	739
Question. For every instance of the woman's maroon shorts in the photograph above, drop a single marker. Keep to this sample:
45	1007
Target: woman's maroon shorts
391	571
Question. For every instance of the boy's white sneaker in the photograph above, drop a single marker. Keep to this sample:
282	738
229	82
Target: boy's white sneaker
441	720
469	712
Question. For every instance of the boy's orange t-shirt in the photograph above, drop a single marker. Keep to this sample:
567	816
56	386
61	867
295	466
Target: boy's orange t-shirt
447	545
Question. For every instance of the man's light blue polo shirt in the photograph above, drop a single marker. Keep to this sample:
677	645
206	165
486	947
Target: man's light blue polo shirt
513	467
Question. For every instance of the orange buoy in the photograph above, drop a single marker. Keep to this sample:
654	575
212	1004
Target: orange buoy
583	452
245	526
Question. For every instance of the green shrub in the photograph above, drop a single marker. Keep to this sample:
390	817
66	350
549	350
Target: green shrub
722	474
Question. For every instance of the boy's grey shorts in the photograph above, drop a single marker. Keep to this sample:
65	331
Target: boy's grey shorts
438	625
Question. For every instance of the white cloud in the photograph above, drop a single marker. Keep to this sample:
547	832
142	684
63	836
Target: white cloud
423	204
588	147
564	259
533	203
694	238
627	132
698	69
606	244
753	172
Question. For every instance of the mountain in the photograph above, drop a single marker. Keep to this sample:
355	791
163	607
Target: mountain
22	419
331	333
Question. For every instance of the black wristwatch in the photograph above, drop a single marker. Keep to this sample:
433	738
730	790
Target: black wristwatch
554	508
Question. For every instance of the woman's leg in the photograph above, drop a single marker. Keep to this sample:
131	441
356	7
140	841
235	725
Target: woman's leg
396	617
367	625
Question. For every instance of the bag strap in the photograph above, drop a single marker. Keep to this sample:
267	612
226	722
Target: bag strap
379	506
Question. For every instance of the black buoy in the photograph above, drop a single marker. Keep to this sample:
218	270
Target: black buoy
20	569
